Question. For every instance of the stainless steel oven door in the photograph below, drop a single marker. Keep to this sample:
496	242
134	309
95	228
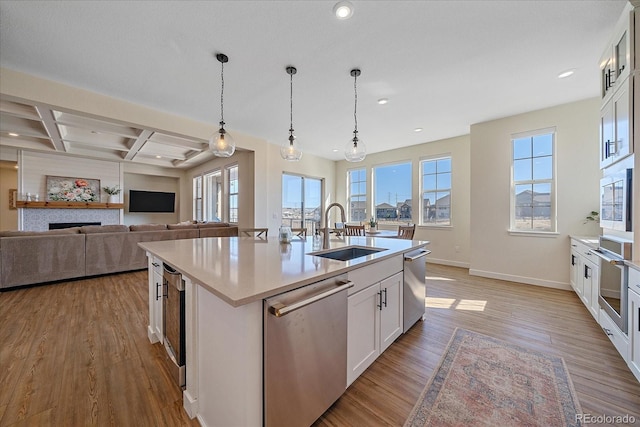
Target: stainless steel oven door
612	297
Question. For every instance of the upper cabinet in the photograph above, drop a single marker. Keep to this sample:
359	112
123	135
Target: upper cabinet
617	67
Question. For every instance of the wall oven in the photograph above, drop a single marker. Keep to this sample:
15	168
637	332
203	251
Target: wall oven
616	200
612	296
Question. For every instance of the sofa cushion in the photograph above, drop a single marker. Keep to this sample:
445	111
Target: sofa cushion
90	229
212	224
181	226
148	227
17	233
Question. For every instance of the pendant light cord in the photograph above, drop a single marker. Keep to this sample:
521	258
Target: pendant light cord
291	102
355	105
222	93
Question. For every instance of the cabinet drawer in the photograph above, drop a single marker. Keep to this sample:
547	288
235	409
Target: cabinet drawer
583	251
619	340
368	275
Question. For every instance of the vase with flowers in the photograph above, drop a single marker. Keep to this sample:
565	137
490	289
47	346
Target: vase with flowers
112	192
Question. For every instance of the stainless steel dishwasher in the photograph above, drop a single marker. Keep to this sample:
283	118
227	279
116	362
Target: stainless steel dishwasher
174	323
415	289
305	352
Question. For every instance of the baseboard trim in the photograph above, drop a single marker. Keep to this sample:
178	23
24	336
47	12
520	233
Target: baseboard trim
447	262
190	405
521	279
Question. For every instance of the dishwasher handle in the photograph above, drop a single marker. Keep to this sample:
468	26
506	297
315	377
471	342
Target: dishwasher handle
420	254
610	260
280	310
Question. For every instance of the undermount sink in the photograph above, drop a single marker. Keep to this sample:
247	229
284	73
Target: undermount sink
348	253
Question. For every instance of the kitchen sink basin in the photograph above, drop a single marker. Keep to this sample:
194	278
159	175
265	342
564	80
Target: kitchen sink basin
348	253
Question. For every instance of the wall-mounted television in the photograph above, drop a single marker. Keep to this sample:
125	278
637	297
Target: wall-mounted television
151	201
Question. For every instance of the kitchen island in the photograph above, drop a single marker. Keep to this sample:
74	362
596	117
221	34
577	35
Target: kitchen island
226	281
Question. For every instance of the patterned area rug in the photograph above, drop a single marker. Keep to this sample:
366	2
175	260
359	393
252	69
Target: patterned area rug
482	381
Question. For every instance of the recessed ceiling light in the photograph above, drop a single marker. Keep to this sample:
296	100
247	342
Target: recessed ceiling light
382	101
343	10
335	150
566	73
158	157
418	130
13	134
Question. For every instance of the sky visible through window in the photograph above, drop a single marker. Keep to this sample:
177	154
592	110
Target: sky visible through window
392	184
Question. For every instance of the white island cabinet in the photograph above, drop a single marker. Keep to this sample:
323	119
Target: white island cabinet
226	281
634	320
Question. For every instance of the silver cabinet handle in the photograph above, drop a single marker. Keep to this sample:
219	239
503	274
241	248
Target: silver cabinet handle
280	310
425	252
606	258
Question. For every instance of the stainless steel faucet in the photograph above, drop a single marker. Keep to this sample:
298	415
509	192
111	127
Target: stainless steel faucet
326	222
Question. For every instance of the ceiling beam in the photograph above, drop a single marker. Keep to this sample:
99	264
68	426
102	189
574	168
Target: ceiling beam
138	144
50	126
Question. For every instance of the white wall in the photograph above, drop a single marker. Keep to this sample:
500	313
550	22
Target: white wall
533	259
449	245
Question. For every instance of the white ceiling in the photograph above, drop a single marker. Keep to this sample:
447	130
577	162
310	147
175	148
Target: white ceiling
443	65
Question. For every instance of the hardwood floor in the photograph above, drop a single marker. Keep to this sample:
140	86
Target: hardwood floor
77	353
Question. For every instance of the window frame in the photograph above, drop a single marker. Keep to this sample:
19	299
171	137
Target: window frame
362	170
198	201
304	224
553	217
228	196
421	175
374	210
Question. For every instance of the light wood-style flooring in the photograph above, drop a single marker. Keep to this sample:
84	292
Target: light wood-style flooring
77	353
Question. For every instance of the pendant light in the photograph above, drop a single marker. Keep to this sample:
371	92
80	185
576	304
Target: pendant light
292	149
221	143
355	150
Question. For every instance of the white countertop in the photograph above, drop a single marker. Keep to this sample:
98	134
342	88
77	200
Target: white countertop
242	270
591	241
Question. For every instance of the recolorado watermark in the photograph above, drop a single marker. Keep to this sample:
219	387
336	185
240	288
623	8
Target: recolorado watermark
605	419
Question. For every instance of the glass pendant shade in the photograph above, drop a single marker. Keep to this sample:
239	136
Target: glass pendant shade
291	150
355	150
222	143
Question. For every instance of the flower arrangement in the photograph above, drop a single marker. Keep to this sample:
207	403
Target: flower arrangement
112	191
72	190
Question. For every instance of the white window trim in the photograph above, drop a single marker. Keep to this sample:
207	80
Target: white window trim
226	208
421	191
554	214
373	184
348	192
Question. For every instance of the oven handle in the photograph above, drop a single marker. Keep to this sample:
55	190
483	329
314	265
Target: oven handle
610	260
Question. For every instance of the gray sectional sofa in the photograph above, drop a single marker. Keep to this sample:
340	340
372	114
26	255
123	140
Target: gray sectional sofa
30	257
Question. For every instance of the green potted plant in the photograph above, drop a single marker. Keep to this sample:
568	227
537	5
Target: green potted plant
373	224
112	192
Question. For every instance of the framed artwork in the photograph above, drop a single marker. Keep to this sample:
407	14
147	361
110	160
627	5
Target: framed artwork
67	189
13	195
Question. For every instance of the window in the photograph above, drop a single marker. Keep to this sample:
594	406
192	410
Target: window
357	197
436	191
392	193
213	196
301	202
232	179
197	198
533	186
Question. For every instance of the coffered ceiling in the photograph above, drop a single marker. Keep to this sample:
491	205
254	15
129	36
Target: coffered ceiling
442	65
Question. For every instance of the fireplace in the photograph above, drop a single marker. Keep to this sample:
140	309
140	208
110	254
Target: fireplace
59	225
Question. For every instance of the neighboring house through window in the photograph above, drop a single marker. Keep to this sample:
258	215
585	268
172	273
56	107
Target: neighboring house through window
436	191
392	193
533	182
